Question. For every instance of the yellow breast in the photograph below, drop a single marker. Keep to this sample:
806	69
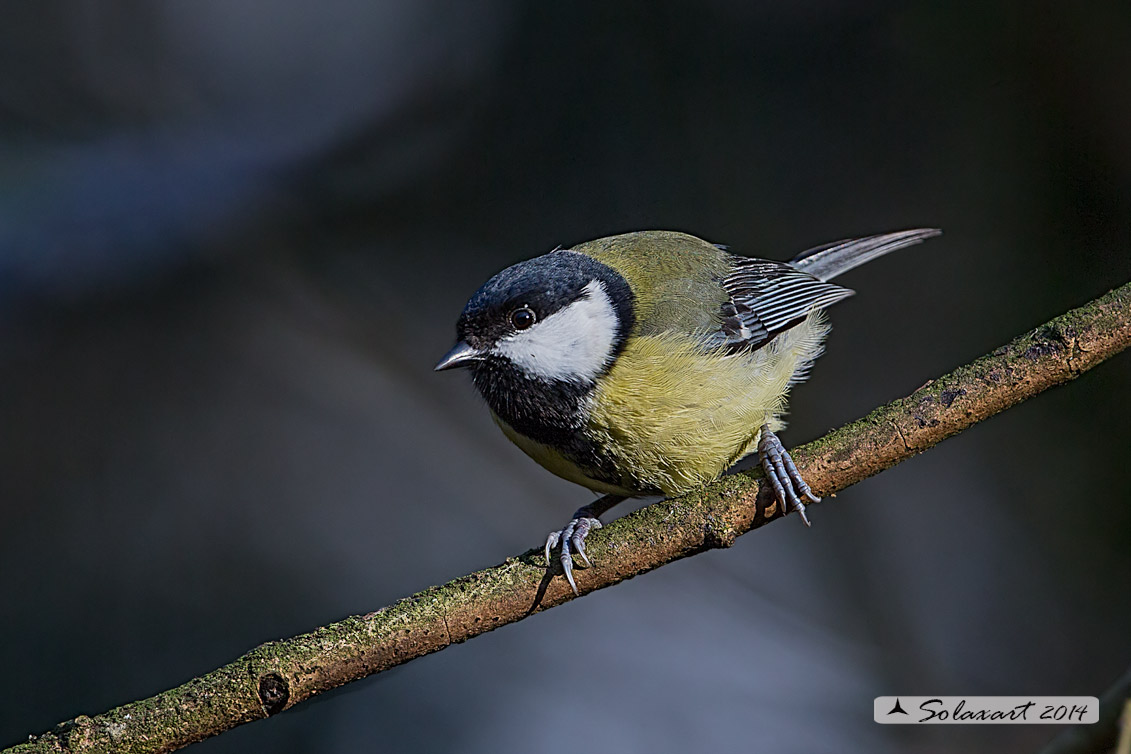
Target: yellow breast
675	416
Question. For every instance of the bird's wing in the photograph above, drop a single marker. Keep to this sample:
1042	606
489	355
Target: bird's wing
767	298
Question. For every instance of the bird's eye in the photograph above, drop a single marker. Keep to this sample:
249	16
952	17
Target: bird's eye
522	318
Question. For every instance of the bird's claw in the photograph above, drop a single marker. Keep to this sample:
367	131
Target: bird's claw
572	540
783	475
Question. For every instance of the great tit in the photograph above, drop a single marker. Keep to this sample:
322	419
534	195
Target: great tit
650	362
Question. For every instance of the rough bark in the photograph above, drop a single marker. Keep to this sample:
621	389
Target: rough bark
280	674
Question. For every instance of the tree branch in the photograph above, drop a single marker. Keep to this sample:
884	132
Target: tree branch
279	674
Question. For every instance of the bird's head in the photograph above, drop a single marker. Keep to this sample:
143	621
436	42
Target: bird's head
559	318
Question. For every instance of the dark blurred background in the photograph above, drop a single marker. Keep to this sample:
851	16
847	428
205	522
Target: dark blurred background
234	239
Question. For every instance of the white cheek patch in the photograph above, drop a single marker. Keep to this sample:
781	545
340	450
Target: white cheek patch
572	344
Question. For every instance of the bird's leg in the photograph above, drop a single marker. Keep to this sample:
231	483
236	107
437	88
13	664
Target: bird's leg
572	536
788	485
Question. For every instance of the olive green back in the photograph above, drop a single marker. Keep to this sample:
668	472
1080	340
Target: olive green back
675	277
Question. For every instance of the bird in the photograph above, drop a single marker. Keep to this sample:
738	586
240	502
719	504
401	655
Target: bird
649	363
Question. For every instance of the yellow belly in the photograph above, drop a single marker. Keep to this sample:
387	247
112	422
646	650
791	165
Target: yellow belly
673	416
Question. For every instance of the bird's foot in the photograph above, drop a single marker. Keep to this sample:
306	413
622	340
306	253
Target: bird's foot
783	475
572	539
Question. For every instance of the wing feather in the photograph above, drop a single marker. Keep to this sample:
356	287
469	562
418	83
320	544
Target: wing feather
767	298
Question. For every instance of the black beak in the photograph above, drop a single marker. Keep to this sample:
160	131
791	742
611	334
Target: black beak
461	355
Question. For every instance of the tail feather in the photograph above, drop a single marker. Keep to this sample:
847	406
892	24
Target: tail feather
832	259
